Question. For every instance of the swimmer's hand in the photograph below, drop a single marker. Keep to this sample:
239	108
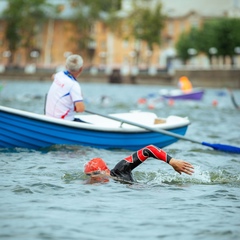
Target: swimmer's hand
181	166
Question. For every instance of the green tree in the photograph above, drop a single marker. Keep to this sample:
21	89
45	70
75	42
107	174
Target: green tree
228	35
187	45
218	37
87	13
146	23
207	40
23	17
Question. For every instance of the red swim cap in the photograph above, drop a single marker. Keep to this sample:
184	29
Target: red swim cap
96	164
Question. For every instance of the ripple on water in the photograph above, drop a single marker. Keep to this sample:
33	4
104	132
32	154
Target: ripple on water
44	195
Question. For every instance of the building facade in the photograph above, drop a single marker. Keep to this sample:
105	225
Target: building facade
56	39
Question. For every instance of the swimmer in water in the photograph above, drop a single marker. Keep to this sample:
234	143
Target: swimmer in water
98	171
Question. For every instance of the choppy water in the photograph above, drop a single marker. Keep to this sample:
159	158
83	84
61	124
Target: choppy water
43	194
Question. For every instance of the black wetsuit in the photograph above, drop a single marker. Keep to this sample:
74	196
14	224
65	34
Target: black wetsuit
123	169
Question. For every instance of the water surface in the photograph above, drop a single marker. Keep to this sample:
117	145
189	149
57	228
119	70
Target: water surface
44	195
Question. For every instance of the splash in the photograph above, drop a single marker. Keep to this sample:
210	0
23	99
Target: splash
199	177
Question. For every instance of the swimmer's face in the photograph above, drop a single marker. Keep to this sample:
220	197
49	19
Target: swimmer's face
98	177
96	174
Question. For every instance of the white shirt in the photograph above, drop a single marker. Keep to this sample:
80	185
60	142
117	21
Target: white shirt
63	93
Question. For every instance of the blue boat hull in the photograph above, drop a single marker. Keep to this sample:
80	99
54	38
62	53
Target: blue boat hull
27	132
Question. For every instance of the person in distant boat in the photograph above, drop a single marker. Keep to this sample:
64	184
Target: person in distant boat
98	170
65	97
185	84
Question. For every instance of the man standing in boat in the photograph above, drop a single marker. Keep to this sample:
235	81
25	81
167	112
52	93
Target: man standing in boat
98	170
64	97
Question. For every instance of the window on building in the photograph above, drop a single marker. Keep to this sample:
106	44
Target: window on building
182	26
103	44
125	43
93	29
125	60
194	21
170	28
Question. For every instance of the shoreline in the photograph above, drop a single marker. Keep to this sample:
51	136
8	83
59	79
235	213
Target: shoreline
220	78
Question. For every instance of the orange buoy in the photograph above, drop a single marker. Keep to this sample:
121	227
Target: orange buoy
142	100
170	102
214	103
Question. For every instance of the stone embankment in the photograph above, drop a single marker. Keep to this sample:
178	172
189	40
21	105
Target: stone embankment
221	78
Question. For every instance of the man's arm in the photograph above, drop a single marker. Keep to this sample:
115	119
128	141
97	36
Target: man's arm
123	169
152	151
79	107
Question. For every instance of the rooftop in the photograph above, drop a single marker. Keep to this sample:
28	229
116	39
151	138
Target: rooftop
206	8
173	8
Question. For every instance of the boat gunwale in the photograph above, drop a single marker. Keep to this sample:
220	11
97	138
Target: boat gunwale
91	127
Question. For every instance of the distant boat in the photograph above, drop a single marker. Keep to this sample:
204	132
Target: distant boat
185	91
195	94
33	131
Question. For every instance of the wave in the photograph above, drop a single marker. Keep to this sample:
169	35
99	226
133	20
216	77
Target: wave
163	178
